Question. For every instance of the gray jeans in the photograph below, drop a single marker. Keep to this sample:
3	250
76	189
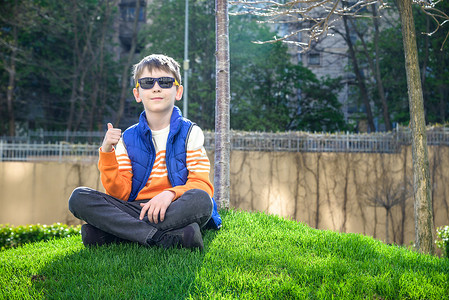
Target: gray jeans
121	218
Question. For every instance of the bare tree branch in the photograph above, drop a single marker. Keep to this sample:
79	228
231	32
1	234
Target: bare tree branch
439	17
320	14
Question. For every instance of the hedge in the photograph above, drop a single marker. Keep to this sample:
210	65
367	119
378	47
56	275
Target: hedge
15	236
443	240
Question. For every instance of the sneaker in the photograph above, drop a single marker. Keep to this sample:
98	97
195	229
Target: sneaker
92	236
186	237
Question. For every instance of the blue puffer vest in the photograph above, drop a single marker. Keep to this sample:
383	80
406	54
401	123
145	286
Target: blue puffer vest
141	152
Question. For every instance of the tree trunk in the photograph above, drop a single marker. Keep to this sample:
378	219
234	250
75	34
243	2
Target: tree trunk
346	192
76	71
360	80
426	52
126	67
73	96
12	76
442	89
404	197
379	82
443	86
10	90
222	117
424	227
387	224
103	75
317	192
96	111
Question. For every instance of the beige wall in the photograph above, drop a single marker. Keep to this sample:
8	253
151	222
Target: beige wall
336	191
38	192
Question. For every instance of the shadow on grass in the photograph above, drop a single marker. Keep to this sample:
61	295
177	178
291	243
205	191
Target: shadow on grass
127	271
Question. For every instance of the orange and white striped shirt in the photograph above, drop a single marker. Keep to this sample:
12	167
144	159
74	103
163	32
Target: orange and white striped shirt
116	170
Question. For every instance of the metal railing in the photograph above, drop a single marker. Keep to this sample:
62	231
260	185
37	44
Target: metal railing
44	146
41	136
312	142
59	152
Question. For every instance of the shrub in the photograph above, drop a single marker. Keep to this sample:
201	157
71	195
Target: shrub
443	240
11	236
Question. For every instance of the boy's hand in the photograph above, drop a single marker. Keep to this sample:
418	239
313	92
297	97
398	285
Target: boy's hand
157	206
111	138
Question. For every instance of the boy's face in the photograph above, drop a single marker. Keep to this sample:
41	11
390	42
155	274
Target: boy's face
156	99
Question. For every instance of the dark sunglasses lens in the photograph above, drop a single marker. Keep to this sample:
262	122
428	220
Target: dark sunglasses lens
165	82
147	83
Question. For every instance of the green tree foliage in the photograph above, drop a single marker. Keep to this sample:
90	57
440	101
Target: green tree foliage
267	90
442	241
67	70
165	34
272	94
320	108
434	65
15	22
393	73
64	71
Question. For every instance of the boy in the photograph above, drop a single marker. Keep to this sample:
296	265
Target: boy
156	175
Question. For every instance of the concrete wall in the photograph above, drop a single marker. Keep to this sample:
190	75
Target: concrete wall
38	192
345	192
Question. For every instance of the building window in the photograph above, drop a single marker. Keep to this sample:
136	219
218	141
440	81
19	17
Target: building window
314	59
128	12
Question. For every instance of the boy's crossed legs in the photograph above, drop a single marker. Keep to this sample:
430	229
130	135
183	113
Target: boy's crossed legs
112	220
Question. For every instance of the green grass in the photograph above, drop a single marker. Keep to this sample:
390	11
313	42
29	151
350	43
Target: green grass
254	256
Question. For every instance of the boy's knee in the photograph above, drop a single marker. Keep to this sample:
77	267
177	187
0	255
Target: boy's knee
78	197
202	200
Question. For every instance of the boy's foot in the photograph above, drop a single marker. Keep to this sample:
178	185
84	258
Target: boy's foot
187	237
92	236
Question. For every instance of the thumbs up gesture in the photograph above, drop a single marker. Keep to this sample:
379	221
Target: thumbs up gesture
111	138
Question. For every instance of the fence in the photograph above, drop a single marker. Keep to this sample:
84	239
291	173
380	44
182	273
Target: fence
313	142
59	152
83	146
41	136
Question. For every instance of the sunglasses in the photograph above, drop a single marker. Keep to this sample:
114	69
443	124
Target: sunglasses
148	82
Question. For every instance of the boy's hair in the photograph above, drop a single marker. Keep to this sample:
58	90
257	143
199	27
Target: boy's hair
159	62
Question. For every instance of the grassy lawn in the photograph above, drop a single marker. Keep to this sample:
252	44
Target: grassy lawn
254	256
